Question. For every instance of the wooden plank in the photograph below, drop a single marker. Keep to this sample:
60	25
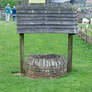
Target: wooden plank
70	47
48	19
43	11
48	7
45	20
48	15
41	6
47	31
46	23
45	27
22	53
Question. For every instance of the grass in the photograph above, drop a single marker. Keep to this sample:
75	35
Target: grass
79	80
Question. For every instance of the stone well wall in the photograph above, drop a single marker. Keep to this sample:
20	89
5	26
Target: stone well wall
45	66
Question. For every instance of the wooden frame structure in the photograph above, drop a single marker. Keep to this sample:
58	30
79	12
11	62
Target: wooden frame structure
46	19
70	47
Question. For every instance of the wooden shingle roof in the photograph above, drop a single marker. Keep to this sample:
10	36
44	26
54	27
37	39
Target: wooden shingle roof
46	19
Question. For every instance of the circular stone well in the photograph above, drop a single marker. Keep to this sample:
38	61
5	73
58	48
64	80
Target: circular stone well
45	66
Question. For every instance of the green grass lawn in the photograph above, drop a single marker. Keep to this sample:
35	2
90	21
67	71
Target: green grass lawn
79	80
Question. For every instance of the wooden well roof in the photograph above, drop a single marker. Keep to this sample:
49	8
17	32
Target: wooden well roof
46	19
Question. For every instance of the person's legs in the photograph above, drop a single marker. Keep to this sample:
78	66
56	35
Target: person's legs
14	18
8	18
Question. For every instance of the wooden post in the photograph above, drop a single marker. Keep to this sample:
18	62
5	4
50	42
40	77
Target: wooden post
22	53
86	35
81	32
70	46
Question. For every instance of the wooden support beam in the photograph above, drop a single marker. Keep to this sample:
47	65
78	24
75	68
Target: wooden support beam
22	53
70	46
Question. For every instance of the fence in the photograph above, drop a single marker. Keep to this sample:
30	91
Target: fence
2	15
85	34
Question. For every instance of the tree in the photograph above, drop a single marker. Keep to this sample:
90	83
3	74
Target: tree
3	3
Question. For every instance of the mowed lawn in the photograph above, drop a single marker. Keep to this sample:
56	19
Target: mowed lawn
79	80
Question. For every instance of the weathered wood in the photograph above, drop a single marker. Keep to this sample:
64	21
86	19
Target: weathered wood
46	23
43	6
86	31
34	11
47	15
65	31
46	19
35	18
46	7
45	27
70	47
22	53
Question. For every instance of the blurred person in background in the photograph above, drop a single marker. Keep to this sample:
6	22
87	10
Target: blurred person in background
14	13
7	11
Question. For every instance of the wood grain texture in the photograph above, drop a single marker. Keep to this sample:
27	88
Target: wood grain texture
70	52
50	19
22	53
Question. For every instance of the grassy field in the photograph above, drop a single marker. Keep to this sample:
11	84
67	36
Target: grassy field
79	80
